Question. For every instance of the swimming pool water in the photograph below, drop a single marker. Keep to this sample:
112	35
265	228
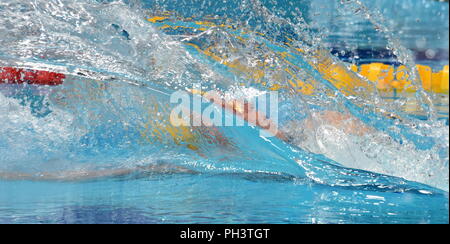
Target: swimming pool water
211	199
120	68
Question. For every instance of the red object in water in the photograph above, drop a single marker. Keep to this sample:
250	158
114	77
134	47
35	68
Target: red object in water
9	75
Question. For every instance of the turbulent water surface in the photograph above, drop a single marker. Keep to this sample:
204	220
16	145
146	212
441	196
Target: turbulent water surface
99	148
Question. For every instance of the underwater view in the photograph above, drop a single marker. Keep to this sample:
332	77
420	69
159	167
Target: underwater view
224	112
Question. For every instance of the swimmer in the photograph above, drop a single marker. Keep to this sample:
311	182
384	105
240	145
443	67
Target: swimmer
244	110
346	123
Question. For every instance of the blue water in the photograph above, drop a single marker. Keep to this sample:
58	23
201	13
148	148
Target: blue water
267	187
212	199
120	70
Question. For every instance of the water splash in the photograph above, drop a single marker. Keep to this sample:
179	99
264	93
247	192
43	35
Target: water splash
112	110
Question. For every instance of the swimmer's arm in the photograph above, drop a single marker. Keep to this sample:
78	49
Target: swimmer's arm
65	176
82	175
349	124
246	111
